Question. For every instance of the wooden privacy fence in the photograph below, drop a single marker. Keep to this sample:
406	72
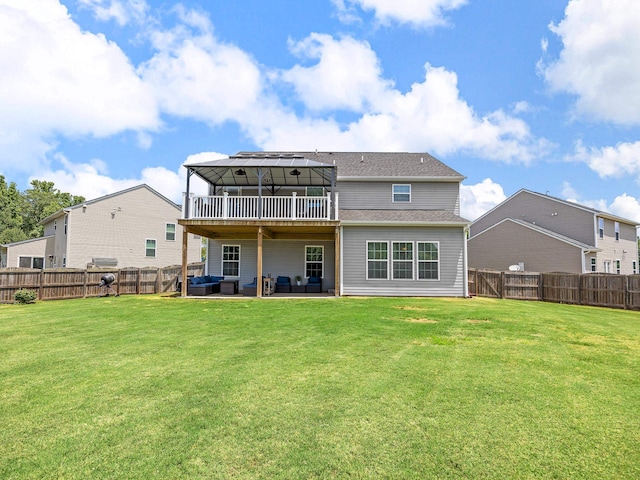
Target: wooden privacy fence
596	289
60	283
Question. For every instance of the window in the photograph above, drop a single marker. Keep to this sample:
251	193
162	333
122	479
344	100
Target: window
66	223
402	260
150	248
601	227
607	266
170	232
428	261
617	227
231	260
377	260
314	261
401	193
618	267
635	268
315	192
593	265
55	224
31	262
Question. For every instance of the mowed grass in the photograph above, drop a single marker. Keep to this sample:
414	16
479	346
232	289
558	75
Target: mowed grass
160	387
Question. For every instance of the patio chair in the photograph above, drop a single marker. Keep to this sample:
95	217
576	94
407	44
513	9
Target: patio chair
314	285
283	284
250	289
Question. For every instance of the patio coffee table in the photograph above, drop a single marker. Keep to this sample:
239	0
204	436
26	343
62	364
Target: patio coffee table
228	287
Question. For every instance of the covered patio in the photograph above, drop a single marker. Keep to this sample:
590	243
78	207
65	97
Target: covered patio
257	197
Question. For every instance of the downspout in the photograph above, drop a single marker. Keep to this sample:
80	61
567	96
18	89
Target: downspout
584	264
465	232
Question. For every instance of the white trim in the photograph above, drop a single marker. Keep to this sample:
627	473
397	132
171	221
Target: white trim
175	231
413	260
438	261
393	192
367	260
304	269
155	250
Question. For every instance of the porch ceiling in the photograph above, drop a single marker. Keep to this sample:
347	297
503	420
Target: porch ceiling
248	229
276	170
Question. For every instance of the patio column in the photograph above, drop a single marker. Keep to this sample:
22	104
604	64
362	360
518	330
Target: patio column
337	262
185	240
259	283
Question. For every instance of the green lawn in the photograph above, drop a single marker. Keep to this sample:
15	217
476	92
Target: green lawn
160	387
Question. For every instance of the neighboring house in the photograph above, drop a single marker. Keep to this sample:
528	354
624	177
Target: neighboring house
137	227
547	234
366	223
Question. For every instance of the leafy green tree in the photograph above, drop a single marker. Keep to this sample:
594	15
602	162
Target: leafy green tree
40	201
10	212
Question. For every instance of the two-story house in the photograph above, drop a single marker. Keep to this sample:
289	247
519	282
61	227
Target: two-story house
136	227
366	223
547	234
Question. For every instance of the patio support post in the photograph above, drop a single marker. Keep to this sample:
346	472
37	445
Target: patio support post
185	240
187	199
337	262
259	282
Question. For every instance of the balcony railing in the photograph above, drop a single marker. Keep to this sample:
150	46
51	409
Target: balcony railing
252	208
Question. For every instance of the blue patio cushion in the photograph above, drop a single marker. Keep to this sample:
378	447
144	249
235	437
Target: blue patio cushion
314	280
197	280
283	280
216	278
208	279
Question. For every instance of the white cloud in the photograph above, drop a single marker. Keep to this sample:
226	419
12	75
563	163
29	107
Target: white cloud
347	75
63	81
92	179
623	160
624	205
476	200
431	116
599	59
194	75
417	13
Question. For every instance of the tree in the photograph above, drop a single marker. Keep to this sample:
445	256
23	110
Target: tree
40	201
21	212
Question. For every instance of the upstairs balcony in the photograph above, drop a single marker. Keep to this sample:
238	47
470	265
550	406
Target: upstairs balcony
283	208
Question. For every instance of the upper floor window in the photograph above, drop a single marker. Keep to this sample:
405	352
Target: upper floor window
170	232
150	248
617	228
231	260
314	261
401	193
601	227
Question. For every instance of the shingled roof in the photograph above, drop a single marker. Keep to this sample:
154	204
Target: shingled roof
373	165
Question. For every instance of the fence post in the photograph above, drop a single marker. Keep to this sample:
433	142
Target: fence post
541	287
159	280
626	292
138	281
40	287
502	284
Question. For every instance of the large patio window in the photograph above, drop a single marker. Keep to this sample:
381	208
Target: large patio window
377	260
402	260
428	261
231	260
314	261
31	262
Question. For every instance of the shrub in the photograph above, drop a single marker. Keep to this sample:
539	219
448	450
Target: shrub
25	296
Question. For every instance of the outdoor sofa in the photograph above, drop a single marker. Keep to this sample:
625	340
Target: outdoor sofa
204	285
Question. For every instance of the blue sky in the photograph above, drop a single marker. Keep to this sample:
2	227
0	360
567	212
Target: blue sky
101	95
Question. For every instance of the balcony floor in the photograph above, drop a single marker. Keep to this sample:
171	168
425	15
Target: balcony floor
273	229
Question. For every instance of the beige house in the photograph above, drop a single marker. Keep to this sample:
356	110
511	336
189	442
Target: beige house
541	233
137	227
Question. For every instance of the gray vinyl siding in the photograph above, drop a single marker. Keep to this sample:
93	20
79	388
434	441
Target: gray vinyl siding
625	249
451	255
378	195
510	243
570	221
279	257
